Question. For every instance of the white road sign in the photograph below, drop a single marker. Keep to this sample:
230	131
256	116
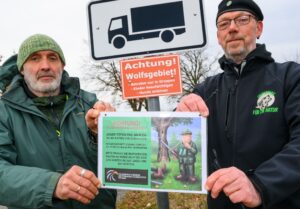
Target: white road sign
122	28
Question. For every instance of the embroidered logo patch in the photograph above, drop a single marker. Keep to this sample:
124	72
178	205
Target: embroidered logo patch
228	3
265	100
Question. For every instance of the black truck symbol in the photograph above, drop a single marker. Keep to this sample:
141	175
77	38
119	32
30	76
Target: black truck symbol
160	20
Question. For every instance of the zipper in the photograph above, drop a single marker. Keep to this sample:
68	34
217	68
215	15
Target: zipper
58	133
230	93
243	64
227	112
54	114
235	117
237	72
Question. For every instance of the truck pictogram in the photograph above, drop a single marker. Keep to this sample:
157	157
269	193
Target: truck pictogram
153	21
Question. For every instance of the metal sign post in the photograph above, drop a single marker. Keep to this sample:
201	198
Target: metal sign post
162	198
128	28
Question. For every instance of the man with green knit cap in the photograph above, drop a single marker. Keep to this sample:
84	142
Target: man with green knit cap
48	135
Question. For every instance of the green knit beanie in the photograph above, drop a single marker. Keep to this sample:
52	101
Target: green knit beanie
37	42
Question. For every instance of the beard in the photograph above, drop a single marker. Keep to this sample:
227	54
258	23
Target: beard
237	48
236	55
38	86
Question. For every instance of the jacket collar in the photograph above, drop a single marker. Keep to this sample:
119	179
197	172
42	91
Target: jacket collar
17	95
258	56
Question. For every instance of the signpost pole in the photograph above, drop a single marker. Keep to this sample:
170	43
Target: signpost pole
162	198
153	104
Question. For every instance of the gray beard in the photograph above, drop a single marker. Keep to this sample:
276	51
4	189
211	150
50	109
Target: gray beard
47	89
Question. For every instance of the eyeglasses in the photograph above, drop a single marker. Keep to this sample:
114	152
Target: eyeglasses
238	21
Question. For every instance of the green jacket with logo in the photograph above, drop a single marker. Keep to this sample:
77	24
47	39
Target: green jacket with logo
34	154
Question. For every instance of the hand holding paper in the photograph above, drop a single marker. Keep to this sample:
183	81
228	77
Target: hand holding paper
193	103
92	115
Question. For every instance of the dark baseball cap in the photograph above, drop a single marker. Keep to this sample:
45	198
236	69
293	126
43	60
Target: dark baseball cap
240	5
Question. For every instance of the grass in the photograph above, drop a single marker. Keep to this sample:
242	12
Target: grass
147	200
169	180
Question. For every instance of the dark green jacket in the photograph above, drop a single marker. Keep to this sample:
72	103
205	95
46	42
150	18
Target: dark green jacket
7	71
185	155
33	154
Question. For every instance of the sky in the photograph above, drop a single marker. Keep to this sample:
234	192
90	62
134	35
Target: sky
66	21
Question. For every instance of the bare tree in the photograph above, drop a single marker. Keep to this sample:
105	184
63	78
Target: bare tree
196	65
106	77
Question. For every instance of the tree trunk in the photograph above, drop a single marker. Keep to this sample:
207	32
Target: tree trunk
163	154
161	125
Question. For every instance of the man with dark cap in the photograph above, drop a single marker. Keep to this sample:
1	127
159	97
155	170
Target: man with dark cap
48	143
186	153
253	117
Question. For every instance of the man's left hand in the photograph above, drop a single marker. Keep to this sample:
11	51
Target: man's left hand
235	184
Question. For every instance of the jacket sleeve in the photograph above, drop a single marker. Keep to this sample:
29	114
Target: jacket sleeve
278	178
207	89
21	186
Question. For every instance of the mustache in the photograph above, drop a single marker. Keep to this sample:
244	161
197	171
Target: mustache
45	74
234	37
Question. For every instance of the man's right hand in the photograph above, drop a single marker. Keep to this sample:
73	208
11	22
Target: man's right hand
193	103
77	184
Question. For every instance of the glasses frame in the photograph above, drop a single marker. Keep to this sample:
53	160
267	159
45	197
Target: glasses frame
237	21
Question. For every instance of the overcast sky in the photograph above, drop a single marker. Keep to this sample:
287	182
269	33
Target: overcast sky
66	21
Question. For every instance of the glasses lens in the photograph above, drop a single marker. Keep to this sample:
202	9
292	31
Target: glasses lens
242	20
222	25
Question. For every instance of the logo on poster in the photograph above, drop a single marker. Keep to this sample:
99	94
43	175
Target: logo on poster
112	175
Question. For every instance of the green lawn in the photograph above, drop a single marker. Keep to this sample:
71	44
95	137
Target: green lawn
169	180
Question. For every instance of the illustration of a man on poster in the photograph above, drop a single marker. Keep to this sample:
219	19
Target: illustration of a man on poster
186	153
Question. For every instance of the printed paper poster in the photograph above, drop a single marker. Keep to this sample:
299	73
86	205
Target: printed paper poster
153	151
